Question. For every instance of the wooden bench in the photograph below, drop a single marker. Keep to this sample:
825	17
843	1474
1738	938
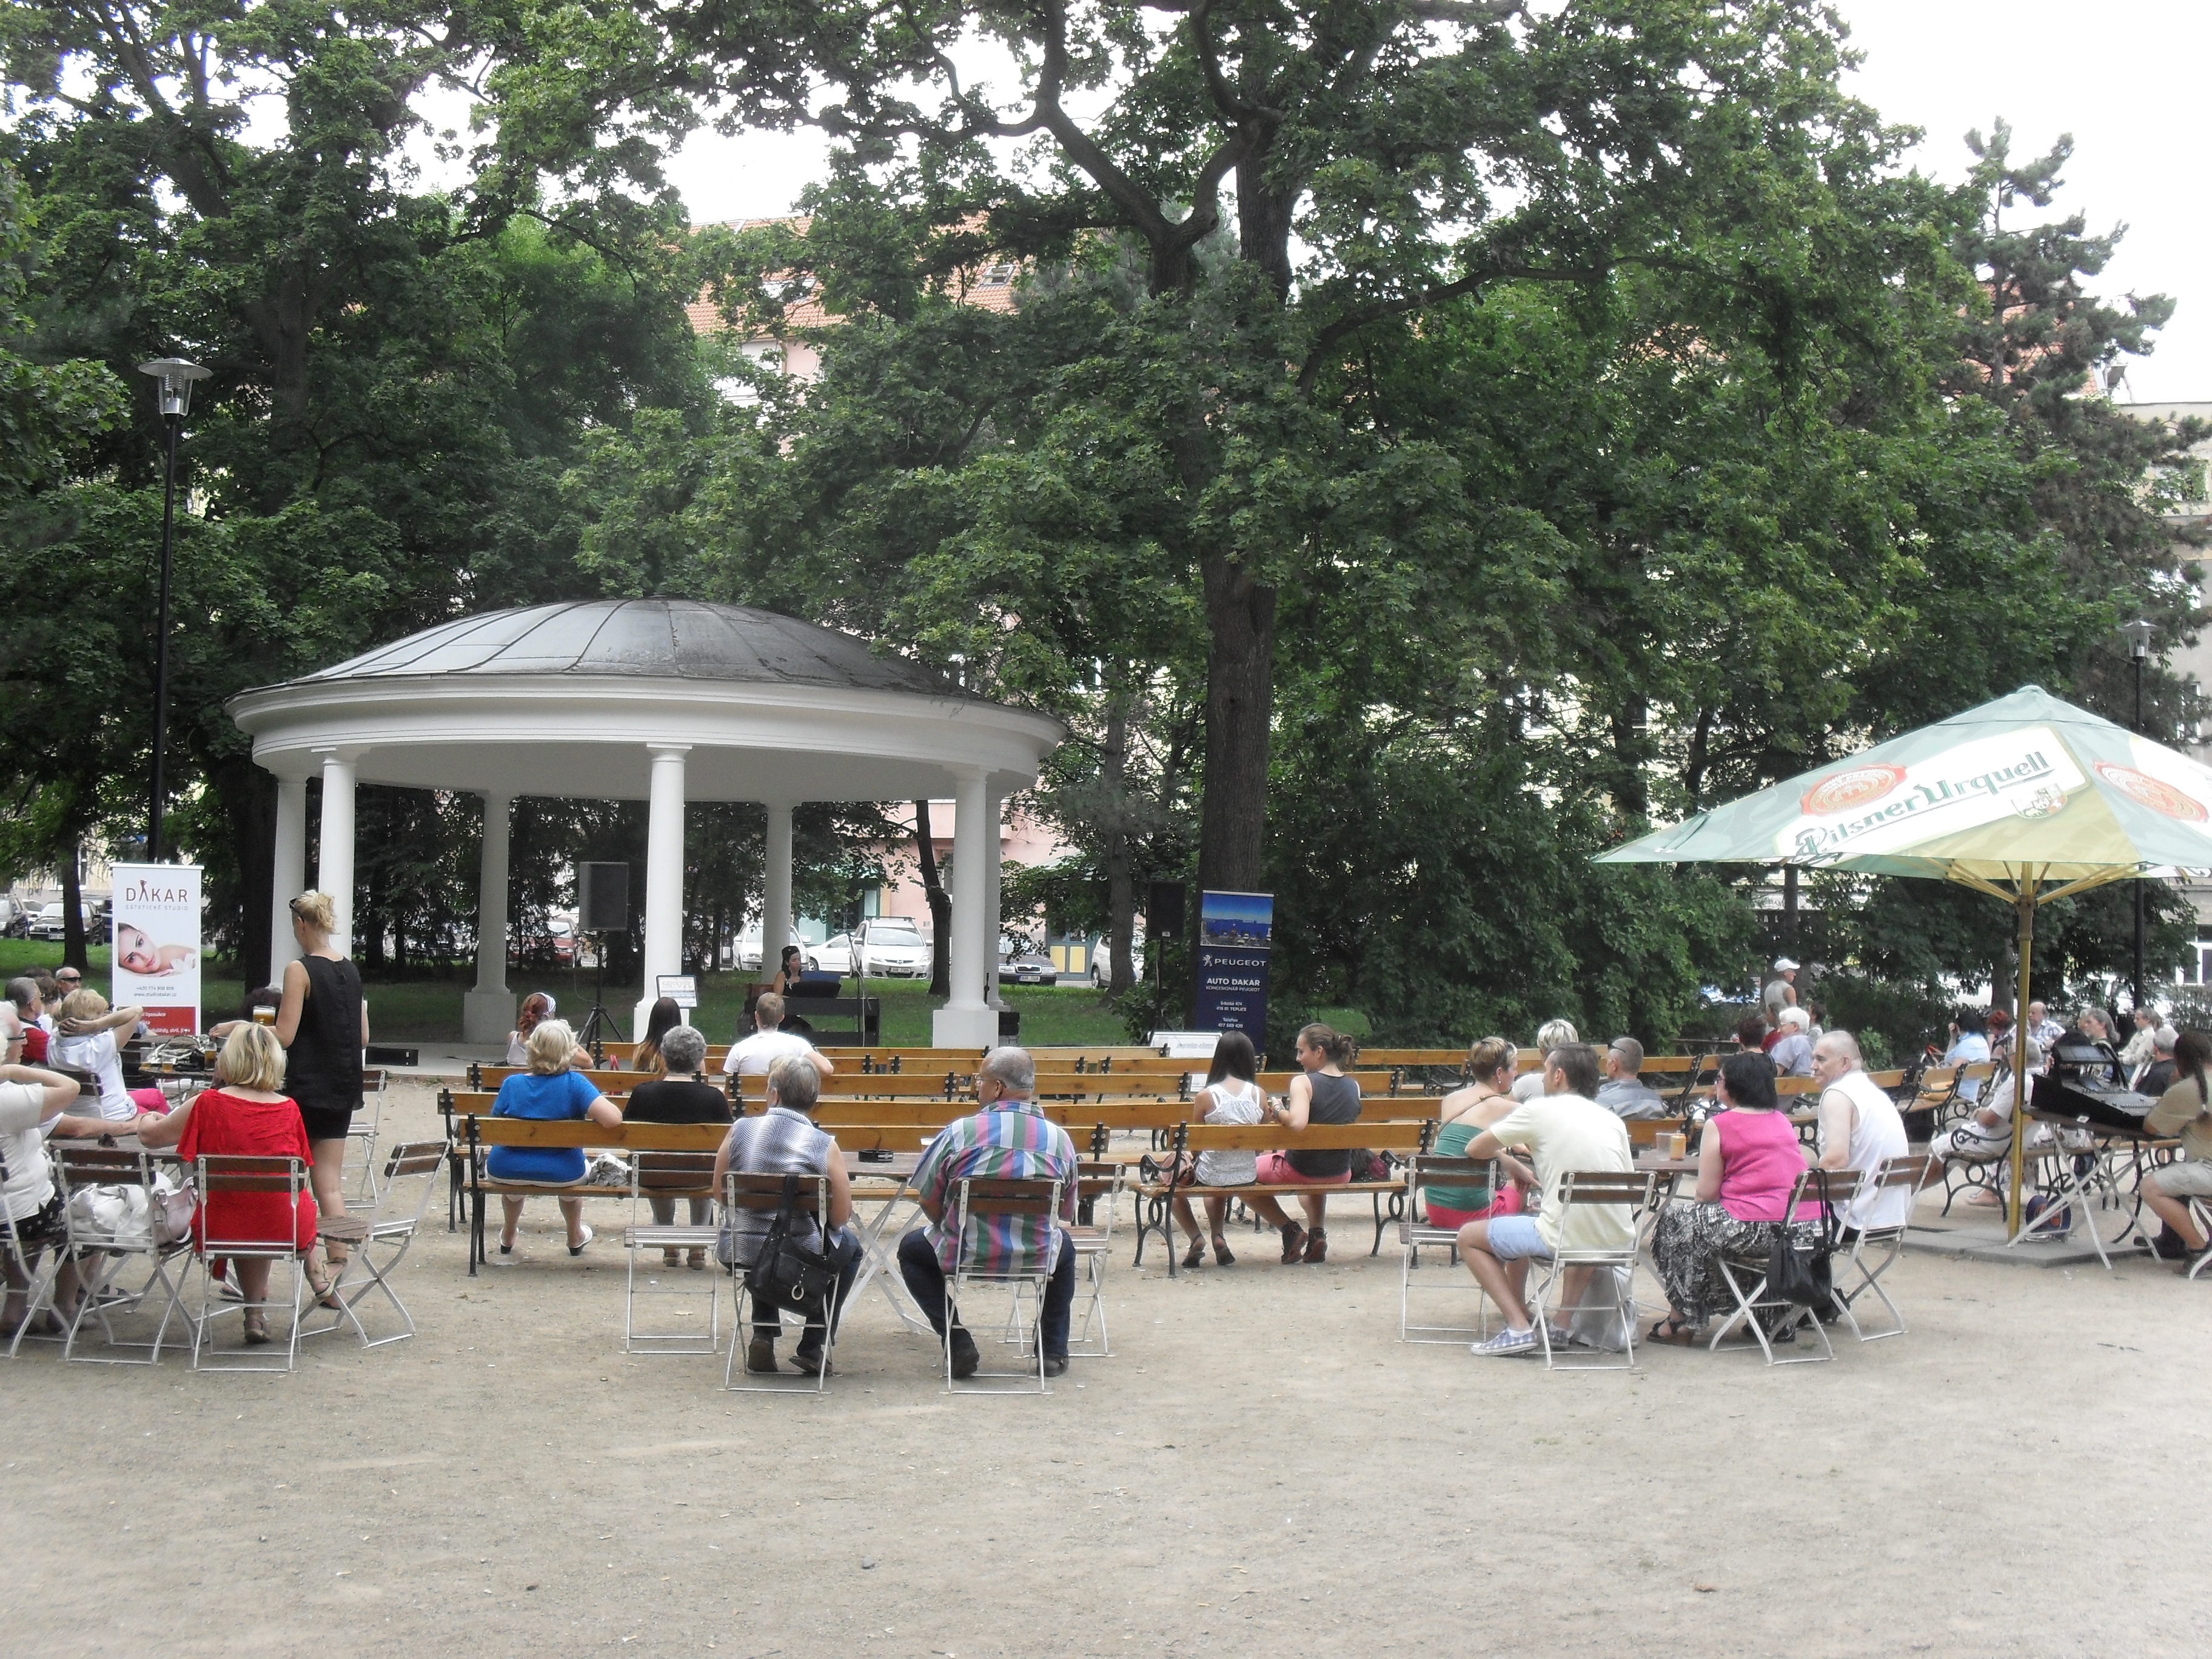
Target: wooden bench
477	1133
1155	1197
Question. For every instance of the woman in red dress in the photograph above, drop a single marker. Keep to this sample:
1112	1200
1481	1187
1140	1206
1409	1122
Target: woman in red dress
247	1116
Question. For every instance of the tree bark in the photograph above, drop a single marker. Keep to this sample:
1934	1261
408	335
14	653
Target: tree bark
1240	615
1121	889
249	804
940	905
73	953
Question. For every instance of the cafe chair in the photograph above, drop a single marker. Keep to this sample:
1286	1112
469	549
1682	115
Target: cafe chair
762	1195
115	1234
978	1199
1097	1188
1609	1293
676	1176
379	1241
1876	1250
1416	1233
361	1136
1769	1319
215	1174
35	1278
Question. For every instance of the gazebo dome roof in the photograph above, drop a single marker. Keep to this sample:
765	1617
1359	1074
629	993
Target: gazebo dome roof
644	638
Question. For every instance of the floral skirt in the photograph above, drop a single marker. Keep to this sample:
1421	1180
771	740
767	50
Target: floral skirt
1687	1243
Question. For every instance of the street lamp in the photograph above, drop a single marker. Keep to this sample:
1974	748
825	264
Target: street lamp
2139	632
175	377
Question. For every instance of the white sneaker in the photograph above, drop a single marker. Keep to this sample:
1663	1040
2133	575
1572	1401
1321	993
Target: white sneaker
1508	1342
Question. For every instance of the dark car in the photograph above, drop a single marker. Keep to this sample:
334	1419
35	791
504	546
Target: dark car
1027	968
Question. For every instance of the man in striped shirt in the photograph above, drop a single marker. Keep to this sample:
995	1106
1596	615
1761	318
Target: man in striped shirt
1008	1138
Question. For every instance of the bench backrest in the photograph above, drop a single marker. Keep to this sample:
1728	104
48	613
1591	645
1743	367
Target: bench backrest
1316	1137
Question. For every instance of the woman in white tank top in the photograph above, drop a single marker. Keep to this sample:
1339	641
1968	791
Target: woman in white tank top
1231	1095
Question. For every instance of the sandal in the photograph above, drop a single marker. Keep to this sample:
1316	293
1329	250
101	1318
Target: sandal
698	1261
671	1258
256	1330
1679	1332
1294	1243
1317	1245
326	1296
1222	1256
1196	1255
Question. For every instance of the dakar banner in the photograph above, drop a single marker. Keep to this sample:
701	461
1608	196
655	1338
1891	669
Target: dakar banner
156	920
1234	932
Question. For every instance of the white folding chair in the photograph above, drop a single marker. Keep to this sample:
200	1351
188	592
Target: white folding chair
1098	1185
1876	1250
1746	1276
2200	1212
216	1176
110	1234
1416	1233
671	1176
378	1243
1036	1203
762	1196
360	1135
31	1271
1611	1286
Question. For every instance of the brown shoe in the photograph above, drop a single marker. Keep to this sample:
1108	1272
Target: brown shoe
1317	1245
698	1261
1294	1243
760	1354
671	1258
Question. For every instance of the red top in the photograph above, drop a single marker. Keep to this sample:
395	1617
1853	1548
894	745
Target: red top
35	1045
221	1123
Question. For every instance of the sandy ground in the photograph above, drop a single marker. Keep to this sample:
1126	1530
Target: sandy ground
1261	1465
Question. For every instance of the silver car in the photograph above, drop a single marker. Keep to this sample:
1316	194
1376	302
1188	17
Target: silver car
891	947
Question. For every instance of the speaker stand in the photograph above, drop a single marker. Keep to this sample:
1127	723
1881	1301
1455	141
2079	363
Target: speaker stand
598	1023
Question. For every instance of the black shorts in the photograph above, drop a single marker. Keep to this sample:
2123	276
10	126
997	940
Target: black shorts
325	1121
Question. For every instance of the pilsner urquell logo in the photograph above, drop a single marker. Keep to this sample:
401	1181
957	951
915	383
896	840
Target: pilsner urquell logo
1861	786
2154	792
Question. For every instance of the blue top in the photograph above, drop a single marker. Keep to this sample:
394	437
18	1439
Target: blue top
563	1096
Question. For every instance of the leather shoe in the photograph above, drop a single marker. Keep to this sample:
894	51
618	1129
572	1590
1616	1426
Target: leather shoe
1055	1364
965	1360
760	1354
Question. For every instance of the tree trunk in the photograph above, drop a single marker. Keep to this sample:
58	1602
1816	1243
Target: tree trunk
249	804
73	955
1121	889
1240	616
940	905
1632	747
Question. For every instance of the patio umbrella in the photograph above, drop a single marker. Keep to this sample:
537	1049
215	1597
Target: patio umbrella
2026	799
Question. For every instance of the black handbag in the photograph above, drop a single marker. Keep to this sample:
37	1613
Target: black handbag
1802	1276
786	1274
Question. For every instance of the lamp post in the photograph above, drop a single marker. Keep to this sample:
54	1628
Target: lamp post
2139	632
175	377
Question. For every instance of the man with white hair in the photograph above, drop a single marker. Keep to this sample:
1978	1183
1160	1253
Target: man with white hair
1793	1055
1008	1138
1552	1034
1624	1092
2156	1077
1860	1127
2042	1028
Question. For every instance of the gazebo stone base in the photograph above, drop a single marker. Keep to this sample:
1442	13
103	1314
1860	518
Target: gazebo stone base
964	1028
487	1015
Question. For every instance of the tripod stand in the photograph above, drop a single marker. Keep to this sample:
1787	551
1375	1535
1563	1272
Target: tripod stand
598	1023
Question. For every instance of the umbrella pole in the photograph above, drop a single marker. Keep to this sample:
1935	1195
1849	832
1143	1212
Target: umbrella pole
2026	906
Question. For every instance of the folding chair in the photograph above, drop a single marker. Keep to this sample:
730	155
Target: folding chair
379	1242
763	1195
1905	1174
1612	1282
37	1275
105	1238
1416	1232
1746	1277
361	1135
673	1177
216	1175
1097	1185
2200	1212
981	1200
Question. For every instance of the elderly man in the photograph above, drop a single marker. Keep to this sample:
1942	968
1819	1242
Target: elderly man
1562	1130
1860	1127
1624	1093
1792	1053
1007	1139
2157	1076
767	1045
2042	1029
2136	1053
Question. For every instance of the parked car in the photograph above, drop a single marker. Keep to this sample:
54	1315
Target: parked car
891	947
49	924
1102	961
14	919
1027	968
749	944
833	955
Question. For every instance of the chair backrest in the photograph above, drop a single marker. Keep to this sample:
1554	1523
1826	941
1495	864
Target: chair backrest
672	1172
1037	1201
418	1162
240	1172
1908	1170
1841	1187
227	1174
99	1166
1435	1169
1630	1187
764	1193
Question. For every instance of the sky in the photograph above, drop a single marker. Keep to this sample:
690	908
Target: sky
2123	77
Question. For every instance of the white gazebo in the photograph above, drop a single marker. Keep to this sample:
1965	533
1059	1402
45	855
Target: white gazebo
665	700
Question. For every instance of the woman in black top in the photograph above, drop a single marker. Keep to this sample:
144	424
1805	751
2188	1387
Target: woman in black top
678	1097
789	971
1321	1094
323	1023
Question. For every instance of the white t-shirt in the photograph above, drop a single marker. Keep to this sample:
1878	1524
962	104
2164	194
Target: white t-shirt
1562	1133
1877	1134
96	1054
1234	1101
1970	1049
30	1182
752	1057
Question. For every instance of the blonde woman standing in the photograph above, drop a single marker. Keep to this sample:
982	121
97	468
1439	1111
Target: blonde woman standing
323	1023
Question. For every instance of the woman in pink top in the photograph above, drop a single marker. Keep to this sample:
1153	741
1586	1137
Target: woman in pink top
1747	1163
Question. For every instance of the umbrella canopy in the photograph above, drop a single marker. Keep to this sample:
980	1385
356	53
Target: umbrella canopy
2023	789
2027	798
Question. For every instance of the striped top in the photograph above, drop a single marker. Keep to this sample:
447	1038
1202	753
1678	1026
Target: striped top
779	1141
1010	1140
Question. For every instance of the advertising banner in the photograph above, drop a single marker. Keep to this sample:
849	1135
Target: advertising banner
1234	931
156	919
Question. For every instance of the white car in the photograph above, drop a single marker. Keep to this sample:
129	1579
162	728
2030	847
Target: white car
833	955
891	947
1102	961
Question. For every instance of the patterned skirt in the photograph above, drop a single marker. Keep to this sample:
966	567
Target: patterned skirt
1687	1243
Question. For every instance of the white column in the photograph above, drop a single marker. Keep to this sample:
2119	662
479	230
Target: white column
488	1011
664	874
290	879
966	1021
993	911
334	865
775	897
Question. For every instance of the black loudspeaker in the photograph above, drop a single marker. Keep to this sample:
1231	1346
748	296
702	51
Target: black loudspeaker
602	898
1163	910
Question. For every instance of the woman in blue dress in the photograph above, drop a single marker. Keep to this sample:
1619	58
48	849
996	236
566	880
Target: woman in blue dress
550	1092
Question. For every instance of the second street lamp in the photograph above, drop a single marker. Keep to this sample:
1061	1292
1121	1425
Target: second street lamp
176	376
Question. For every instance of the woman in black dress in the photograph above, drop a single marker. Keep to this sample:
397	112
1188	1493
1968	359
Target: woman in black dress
323	1023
